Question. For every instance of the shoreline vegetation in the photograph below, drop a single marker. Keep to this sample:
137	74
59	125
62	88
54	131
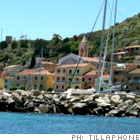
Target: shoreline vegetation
98	104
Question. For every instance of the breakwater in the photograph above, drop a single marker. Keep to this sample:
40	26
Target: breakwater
99	104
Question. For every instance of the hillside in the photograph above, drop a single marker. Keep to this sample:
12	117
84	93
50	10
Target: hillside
19	52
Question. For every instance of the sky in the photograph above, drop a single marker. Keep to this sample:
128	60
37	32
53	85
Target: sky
43	18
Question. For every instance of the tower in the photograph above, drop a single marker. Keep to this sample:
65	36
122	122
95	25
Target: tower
83	47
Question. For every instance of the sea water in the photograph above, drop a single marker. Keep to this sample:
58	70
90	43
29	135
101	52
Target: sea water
20	123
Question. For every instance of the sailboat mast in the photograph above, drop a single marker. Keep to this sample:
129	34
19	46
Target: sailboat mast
101	50
39	78
113	43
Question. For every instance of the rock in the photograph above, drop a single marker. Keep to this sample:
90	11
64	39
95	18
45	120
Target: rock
40	97
115	112
75	99
115	99
103	101
10	100
132	97
79	105
35	92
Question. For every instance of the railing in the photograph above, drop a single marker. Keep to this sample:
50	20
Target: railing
134	81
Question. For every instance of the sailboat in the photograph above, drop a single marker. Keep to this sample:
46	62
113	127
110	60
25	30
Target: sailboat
99	83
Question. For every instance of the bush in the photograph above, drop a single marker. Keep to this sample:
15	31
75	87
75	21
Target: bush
22	87
50	89
13	88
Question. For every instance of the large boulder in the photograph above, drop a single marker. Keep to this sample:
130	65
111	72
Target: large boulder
115	99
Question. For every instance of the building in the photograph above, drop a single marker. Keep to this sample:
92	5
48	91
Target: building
83	47
133	80
1	81
8	82
34	79
64	74
120	72
133	50
137	59
88	79
49	66
60	78
128	51
9	39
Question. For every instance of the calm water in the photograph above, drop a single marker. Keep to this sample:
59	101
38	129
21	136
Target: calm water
17	123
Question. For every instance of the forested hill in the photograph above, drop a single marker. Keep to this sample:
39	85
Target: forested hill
17	52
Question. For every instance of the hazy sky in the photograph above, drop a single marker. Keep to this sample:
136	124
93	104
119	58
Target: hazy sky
43	18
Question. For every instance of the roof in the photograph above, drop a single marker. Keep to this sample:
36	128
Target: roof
121	53
84	40
137	56
92	72
8	77
105	77
136	71
94	59
137	46
72	65
47	62
33	72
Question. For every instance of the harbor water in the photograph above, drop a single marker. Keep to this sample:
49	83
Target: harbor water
20	123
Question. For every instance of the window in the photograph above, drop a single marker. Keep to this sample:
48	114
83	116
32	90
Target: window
89	79
83	79
63	79
137	88
76	87
6	80
129	78
17	85
24	77
56	87
41	86
36	78
70	71
5	86
58	70
77	79
78	71
41	77
35	86
69	79
64	71
62	87
137	48
17	77
58	78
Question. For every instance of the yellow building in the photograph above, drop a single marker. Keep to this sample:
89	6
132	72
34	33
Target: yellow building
34	79
1	81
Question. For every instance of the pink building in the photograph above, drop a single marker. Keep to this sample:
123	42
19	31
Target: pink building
89	79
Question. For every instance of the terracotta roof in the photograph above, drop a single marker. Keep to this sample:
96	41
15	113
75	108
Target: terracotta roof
105	76
72	65
120	53
137	56
8	77
92	72
136	71
47	62
137	46
33	72
90	59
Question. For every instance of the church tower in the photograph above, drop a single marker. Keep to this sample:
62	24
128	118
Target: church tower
83	48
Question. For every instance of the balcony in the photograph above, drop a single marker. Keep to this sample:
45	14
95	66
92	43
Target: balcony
60	82
134	81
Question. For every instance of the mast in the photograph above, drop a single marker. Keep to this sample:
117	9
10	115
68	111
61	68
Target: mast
39	78
101	51
113	43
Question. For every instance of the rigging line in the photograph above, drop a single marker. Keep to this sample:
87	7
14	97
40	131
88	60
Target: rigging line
113	43
101	48
106	47
87	42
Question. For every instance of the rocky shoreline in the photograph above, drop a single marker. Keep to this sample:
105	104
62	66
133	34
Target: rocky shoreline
99	104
